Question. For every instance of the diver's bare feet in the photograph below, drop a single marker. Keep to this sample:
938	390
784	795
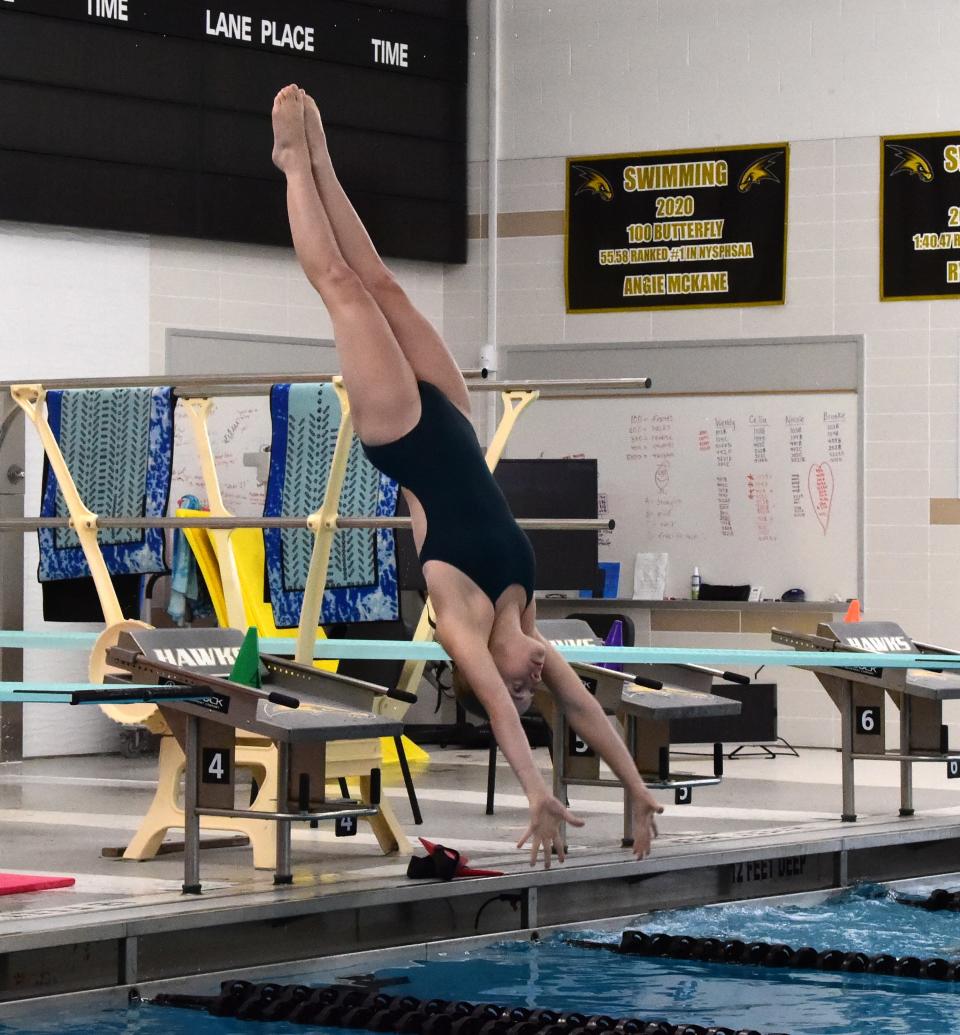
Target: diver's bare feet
289	134
316	135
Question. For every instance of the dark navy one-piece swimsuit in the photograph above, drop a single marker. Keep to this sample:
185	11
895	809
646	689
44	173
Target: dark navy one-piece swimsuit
469	524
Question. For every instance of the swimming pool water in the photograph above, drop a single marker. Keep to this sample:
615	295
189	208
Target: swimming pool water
865	919
553	973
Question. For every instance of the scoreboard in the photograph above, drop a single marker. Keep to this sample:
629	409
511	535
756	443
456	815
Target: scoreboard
153	116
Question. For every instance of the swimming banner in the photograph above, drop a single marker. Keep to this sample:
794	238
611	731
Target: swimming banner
671	229
920	217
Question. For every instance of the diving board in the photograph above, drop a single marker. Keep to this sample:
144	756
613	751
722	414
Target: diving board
417	651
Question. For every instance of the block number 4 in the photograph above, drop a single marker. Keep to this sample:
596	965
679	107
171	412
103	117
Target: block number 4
216	765
345	826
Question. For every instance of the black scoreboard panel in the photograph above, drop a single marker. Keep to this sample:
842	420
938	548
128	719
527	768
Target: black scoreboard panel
154	116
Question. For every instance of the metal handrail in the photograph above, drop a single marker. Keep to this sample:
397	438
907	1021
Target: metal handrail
211	385
568	388
32	524
187	384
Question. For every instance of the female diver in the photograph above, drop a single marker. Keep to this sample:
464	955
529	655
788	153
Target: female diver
411	413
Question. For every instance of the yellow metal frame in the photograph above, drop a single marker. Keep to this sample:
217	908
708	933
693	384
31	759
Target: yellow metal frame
323	524
344	759
31	398
198	413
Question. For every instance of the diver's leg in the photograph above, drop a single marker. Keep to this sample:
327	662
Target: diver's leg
379	379
421	344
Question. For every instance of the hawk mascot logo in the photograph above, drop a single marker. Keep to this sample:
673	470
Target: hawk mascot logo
758	171
911	162
593	183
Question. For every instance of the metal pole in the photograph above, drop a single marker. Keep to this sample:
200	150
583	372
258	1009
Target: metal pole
283	874
207	384
631	732
314	817
849	814
491	774
532	524
546	388
191	821
906	768
32	524
490	352
896	756
559	767
11	573
408	779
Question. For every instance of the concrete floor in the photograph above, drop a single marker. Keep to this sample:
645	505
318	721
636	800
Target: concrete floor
772	826
57	814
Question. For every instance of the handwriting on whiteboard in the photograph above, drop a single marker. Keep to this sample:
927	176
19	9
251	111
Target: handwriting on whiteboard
722	482
762	478
820	487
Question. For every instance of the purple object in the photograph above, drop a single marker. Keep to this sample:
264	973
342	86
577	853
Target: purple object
614	638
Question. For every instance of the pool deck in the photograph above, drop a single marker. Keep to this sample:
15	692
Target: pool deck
771	827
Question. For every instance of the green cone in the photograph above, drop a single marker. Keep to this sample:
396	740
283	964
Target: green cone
246	669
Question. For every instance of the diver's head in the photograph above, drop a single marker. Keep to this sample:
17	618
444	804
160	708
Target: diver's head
519	659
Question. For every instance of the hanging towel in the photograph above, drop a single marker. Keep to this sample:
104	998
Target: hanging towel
188	592
118	446
362	576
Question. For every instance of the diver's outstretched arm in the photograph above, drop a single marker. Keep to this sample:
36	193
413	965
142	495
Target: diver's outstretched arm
586	716
471	655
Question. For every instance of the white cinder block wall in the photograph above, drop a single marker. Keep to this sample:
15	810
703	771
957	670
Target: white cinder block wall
73	303
246	289
830	77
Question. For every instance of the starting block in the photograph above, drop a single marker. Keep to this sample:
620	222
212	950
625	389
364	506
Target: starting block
644	707
299	708
860	695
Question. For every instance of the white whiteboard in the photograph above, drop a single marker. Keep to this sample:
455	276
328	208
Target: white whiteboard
236	425
759	489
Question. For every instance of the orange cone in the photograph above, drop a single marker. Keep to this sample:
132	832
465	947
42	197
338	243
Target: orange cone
853	612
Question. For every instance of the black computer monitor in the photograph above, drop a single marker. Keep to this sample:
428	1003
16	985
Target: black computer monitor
538	489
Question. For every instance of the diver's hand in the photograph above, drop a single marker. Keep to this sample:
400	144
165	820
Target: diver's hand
546	815
644	812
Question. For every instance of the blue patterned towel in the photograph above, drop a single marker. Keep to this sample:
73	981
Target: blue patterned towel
189	597
362	577
118	447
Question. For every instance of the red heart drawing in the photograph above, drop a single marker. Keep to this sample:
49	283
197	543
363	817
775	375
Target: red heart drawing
820	488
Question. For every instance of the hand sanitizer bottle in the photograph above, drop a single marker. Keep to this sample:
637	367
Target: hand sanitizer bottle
695	584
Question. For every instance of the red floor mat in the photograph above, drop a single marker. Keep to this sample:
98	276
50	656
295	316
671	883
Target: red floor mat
20	883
